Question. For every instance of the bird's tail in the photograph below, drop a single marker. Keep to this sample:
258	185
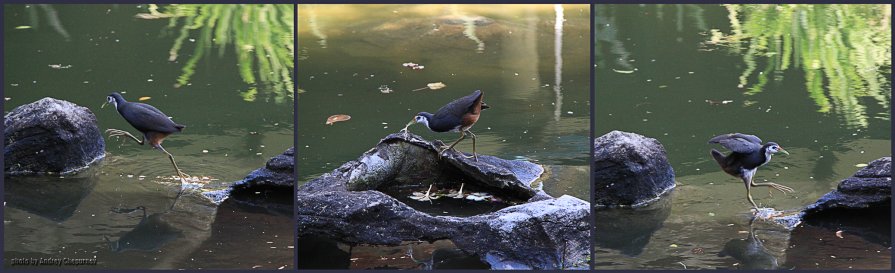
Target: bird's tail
719	157
179	127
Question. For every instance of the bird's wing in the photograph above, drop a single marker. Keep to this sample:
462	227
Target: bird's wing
458	107
145	118
737	142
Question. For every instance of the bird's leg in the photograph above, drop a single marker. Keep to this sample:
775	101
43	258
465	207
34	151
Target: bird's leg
462	136
781	188
171	157
119	133
747	180
474	155
183	176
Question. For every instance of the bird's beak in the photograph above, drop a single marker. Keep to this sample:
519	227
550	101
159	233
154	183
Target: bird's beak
104	104
784	151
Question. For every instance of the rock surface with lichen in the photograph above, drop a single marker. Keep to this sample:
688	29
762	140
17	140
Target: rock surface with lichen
50	136
630	170
346	205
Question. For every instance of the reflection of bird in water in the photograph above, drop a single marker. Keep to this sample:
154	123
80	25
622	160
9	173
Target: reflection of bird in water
457	116
151	233
747	155
750	252
147	119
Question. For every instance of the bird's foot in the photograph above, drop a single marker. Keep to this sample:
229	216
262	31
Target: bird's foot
443	149
183	175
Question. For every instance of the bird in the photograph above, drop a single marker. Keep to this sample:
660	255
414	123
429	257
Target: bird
457	116
747	154
150	121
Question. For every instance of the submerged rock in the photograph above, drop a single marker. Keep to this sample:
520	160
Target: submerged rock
50	136
630	170
271	186
348	205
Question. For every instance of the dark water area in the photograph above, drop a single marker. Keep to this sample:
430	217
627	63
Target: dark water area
534	73
81	53
684	73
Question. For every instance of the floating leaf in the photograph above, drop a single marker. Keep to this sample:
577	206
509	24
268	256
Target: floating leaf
432	86
478	196
336	118
861	165
623	71
144	98
23	27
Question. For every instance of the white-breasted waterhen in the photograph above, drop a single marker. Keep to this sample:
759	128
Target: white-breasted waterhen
457	116
747	155
150	121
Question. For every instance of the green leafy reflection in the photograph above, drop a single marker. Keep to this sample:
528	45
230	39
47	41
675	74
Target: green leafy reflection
260	34
844	51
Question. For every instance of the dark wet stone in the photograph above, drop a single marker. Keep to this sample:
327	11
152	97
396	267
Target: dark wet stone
630	170
269	186
860	205
868	190
50	136
347	206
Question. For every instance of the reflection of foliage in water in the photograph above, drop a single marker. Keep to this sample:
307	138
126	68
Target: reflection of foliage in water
846	47
262	36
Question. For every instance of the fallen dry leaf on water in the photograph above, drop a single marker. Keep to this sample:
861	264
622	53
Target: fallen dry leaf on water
144	98
433	86
336	118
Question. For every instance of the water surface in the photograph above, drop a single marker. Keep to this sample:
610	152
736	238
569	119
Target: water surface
685	73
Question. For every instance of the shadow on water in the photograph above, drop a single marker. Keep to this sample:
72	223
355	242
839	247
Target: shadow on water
631	229
814	78
81	53
440	254
51	198
150	234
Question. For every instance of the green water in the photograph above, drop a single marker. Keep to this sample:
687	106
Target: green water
539	103
81	53
816	84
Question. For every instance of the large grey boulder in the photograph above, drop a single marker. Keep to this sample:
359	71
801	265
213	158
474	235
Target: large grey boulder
629	170
50	136
349	205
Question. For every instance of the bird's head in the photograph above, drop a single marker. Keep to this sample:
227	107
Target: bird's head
423	117
774	148
113	99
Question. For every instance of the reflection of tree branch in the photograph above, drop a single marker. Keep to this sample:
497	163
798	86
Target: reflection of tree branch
605	30
53	20
842	45
262	36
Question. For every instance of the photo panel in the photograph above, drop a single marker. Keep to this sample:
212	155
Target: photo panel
742	136
443	136
90	94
